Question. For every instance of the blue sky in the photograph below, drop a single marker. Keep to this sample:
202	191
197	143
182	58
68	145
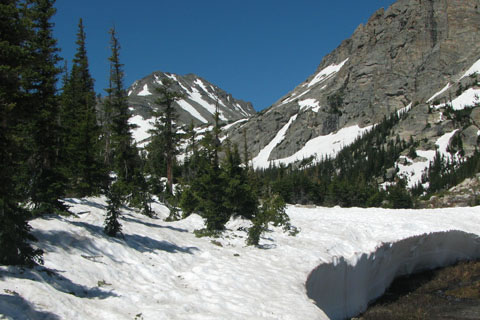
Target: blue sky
257	50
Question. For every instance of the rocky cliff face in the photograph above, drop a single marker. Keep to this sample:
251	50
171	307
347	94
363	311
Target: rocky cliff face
199	102
400	58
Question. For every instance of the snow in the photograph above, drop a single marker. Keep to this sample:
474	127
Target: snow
228	126
468	98
158	80
439	92
261	160
309	104
327	73
414	170
140	133
196	96
475	68
190	109
144	91
321	146
159	270
210	94
404	110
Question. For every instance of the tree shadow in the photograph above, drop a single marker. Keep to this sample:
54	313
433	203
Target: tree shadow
16	307
85	202
68	241
151	225
137	242
57	281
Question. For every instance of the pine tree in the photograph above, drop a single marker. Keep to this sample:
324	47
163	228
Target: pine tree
79	122
240	199
41	125
122	150
112	225
15	236
168	130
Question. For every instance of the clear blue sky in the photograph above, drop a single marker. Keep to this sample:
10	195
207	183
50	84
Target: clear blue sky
257	50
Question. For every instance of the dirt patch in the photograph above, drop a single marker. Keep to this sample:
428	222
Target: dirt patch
448	293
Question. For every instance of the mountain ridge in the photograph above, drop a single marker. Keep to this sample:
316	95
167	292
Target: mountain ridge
401	57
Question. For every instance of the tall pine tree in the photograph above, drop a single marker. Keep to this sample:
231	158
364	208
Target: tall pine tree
79	121
122	151
47	182
15	236
166	130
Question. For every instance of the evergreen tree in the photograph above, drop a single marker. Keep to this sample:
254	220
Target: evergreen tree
41	125
112	225
79	121
167	129
271	211
15	236
240	199
121	148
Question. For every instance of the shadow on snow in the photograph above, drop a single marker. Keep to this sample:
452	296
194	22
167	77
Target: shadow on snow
57	281
151	225
16	307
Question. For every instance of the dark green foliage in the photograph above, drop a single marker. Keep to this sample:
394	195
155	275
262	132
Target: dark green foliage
399	197
240	198
166	130
112	225
85	169
40	127
120	152
217	192
272	211
446	173
15	232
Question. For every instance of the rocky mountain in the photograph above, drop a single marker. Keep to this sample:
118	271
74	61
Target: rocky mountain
418	56
198	105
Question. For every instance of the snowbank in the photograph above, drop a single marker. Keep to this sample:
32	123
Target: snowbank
343	288
160	270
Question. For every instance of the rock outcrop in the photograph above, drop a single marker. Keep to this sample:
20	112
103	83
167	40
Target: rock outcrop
401	57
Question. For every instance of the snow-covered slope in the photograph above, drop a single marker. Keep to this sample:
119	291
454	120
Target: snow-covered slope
160	270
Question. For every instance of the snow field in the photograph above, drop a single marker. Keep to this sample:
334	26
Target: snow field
162	271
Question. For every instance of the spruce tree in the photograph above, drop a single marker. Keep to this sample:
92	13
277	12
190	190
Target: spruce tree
41	125
112	225
15	236
168	129
240	198
122	150
79	120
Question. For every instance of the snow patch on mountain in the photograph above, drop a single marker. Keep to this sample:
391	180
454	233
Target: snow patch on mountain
413	169
261	160
145	91
196	96
326	73
309	104
190	109
325	146
468	98
404	110
440	92
475	68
